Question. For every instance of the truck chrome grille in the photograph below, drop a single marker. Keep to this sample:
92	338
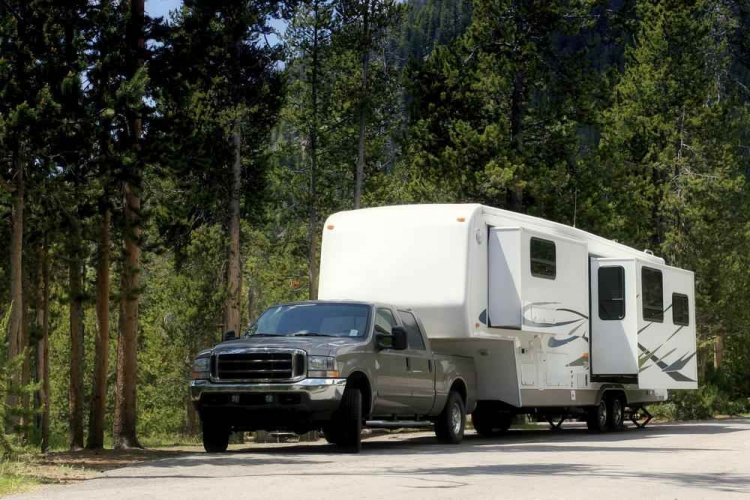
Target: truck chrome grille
261	365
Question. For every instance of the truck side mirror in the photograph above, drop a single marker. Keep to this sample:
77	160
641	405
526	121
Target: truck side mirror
230	335
399	338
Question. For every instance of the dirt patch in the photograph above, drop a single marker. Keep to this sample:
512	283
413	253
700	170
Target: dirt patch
73	466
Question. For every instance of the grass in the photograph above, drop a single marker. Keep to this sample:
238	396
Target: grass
14	478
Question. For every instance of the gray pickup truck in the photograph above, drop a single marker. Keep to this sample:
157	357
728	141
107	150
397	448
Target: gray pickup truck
330	366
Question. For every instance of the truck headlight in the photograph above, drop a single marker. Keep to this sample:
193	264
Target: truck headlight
201	369
321	367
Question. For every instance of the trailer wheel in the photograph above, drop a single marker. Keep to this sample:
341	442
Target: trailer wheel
349	421
215	436
616	411
598	417
451	423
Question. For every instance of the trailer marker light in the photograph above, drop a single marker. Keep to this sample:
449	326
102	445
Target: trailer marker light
330	226
461	219
585	355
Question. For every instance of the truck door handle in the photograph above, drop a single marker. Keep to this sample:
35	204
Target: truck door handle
408	365
429	365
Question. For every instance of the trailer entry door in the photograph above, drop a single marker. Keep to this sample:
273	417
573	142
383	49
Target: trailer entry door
614	318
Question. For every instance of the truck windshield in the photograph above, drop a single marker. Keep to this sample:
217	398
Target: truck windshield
313	319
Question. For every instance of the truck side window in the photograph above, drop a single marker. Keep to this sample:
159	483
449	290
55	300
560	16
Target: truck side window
653	295
384	321
413	334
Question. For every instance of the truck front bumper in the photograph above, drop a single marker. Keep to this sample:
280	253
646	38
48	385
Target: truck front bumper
259	406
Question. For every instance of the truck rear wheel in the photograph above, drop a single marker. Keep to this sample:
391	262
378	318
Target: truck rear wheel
349	421
451	423
215	436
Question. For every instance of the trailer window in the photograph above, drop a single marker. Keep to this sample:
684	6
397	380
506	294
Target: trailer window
543	258
413	334
611	293
680	310
653	295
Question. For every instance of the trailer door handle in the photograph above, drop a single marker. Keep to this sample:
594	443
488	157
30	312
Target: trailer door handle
408	365
429	365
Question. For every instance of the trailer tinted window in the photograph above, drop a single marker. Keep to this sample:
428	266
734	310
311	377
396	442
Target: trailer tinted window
413	334
611	293
653	295
680	310
543	258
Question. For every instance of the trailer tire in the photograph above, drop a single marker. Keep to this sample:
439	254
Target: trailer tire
215	436
616	412
349	421
598	417
451	423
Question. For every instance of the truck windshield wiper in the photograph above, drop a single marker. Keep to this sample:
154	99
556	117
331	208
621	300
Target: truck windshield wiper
265	335
310	334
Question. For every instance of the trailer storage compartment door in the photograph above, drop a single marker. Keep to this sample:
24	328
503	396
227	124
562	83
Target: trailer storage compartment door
614	318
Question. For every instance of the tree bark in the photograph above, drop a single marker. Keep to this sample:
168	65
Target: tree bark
98	403
127	360
25	420
313	216
75	304
42	349
363	105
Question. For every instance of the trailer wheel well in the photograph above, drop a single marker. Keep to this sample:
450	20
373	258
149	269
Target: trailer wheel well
358	380
460	387
608	393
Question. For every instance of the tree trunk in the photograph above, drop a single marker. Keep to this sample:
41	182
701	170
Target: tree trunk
42	350
75	303
127	359
16	263
233	269
25	420
313	222
719	344
363	106
516	127
98	404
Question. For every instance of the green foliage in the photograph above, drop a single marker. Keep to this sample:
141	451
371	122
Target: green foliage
707	402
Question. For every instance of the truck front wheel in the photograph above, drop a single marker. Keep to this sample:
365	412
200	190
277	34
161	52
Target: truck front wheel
215	436
451	422
349	421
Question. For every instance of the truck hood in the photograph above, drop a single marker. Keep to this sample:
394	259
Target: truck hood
316	346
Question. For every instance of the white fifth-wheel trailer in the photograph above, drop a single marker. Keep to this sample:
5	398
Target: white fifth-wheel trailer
561	323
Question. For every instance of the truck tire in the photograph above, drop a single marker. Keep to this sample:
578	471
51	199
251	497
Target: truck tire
349	421
331	434
616	411
451	423
598	417
490	423
215	436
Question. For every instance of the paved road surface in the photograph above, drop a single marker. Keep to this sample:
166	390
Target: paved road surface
685	461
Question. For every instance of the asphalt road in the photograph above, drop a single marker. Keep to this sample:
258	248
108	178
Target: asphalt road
681	461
